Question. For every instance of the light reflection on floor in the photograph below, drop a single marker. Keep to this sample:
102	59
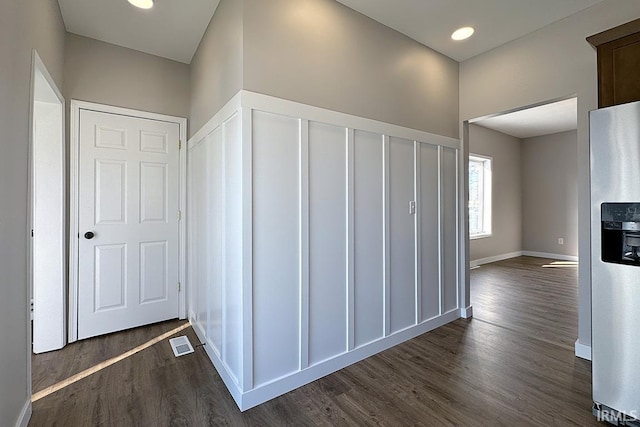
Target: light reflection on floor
561	264
100	366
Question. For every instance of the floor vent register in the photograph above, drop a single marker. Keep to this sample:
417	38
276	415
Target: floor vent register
181	346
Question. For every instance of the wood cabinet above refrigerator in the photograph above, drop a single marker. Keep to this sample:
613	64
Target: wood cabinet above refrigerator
618	64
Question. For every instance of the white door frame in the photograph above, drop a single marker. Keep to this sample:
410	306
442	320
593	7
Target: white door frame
48	300
74	130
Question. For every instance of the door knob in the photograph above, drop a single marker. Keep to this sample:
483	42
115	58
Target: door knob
89	235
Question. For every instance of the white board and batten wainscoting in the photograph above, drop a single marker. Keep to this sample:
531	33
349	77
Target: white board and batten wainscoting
316	239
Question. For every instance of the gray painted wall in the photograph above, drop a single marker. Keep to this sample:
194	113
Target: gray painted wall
322	53
535	193
553	62
46	34
24	25
550	193
216	68
506	233
108	74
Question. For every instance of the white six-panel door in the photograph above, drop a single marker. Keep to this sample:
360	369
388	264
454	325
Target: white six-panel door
128	180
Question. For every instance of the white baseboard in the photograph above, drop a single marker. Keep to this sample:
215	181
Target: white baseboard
550	256
583	351
481	261
466	313
290	382
25	415
222	368
248	399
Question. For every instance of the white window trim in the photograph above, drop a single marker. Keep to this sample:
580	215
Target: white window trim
487	195
479	236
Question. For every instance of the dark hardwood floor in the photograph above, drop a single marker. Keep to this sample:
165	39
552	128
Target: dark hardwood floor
536	301
511	365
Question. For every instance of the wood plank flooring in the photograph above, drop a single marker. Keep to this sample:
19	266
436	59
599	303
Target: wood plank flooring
536	301
511	365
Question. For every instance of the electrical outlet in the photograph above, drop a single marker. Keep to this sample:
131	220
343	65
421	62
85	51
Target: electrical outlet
560	241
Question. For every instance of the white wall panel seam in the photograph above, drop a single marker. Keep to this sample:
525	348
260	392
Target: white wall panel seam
386	156
350	218
247	250
204	229
440	229
223	213
304	243
417	198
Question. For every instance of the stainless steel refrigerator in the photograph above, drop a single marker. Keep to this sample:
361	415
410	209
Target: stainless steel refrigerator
615	262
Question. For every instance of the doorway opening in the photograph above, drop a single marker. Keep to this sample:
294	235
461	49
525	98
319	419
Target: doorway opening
47	272
534	211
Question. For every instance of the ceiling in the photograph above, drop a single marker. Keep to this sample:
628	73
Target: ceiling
497	22
171	29
541	120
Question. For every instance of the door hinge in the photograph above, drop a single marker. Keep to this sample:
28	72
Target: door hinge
32	232
179	215
179	144
179	287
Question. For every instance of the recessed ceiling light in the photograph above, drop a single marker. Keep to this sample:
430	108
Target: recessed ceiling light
461	33
142	4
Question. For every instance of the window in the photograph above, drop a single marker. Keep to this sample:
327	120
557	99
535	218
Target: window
479	196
